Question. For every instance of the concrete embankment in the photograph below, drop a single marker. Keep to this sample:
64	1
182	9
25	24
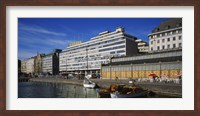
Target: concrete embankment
57	80
169	89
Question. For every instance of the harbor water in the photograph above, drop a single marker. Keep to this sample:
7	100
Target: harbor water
58	90
53	90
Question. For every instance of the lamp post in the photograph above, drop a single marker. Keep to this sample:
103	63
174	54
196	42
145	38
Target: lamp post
87	60
66	63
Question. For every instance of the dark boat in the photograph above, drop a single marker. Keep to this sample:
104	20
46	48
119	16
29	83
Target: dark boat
123	91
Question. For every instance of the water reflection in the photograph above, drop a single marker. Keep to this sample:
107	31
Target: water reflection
59	90
54	90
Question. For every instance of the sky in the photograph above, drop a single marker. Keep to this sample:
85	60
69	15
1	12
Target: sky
45	34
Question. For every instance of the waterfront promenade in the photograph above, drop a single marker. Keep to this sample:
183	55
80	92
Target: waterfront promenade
170	89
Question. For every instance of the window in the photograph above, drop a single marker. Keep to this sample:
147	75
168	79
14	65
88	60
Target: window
151	48
168	46
163	40
180	44
174	45
163	47
121	51
174	38
158	41
158	47
179	37
112	52
168	39
151	42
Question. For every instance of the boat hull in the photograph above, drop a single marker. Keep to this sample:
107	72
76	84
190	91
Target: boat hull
135	95
89	85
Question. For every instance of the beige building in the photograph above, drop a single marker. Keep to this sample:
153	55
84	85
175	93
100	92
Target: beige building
23	66
28	65
168	35
38	63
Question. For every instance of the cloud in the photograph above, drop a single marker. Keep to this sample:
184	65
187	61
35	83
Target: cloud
39	29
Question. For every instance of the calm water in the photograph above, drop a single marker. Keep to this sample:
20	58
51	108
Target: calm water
52	90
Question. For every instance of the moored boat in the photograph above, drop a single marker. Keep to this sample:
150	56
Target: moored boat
129	95
88	84
124	91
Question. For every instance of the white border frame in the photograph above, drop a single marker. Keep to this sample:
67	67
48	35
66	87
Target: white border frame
184	103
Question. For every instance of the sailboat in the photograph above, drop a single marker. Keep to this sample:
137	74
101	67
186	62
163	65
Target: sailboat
88	83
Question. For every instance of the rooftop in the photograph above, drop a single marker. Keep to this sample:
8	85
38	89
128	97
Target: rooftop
168	24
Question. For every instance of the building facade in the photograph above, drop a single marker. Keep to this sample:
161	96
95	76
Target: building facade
168	35
87	57
23	66
163	64
38	63
50	62
143	46
27	66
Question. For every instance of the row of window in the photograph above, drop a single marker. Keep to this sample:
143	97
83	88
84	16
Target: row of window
168	39
112	48
120	42
168	46
149	56
94	44
76	50
165	34
144	67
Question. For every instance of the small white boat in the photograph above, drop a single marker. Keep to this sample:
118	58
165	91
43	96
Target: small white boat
131	95
88	84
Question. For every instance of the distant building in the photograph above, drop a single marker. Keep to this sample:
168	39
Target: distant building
87	57
50	62
27	66
30	65
23	66
168	35
38	63
19	66
143	46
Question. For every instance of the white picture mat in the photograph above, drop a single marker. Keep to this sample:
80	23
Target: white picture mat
15	103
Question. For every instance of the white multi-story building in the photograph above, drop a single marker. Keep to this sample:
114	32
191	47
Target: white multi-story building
168	35
50	62
88	56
